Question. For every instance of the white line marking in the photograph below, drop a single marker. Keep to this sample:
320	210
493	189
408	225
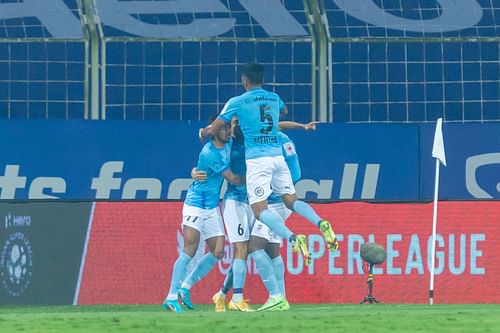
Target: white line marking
84	256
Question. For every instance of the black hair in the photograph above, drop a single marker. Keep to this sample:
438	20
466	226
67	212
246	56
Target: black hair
254	73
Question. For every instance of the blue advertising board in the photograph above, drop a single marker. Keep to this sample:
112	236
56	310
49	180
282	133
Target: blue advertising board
473	161
87	160
364	161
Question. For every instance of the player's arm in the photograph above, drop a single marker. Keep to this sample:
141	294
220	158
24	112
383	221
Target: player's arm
211	129
219	166
228	111
233	178
294	167
285	125
198	175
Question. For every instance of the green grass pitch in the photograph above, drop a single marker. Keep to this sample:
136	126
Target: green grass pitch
301	318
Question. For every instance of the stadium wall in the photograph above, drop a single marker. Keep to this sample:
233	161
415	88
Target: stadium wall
131	255
123	253
59	248
134	160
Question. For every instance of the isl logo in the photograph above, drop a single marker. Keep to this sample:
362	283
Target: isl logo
16	263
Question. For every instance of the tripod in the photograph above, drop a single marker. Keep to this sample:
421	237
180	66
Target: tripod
369	298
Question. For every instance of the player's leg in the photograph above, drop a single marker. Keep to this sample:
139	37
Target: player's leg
238	219
191	237
273	249
282	185
202	268
213	232
239	268
258	242
305	210
266	272
228	281
260	172
219	299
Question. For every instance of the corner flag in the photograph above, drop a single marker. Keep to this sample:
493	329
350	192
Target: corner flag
438	153
438	146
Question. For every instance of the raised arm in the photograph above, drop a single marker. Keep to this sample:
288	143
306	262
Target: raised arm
284	125
211	129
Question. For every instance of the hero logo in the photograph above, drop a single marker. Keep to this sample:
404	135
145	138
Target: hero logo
108	181
16	263
12	221
276	20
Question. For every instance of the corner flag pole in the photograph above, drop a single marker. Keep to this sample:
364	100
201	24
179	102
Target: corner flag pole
438	153
434	226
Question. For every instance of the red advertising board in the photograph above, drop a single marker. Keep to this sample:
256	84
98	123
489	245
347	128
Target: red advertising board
133	246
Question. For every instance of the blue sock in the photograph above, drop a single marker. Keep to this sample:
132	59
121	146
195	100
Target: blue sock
228	281
201	269
279	271
240	273
275	223
266	271
178	275
306	211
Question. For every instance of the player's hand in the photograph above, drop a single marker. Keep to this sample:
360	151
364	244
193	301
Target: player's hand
202	131
200	176
311	126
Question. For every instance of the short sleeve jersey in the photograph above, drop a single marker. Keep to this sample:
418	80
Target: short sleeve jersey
214	161
258	112
238	167
292	160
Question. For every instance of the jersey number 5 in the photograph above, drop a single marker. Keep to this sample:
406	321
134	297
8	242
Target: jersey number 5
266	118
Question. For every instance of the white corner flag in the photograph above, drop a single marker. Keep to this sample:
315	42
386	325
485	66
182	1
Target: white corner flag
439	154
438	146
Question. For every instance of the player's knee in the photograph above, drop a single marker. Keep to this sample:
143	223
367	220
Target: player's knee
273	250
218	253
256	244
241	250
289	200
190	249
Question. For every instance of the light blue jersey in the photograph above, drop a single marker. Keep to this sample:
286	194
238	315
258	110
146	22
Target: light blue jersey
258	113
214	161
292	160
238	167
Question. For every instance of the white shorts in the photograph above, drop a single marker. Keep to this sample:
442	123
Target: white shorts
239	219
207	221
263	231
266	175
